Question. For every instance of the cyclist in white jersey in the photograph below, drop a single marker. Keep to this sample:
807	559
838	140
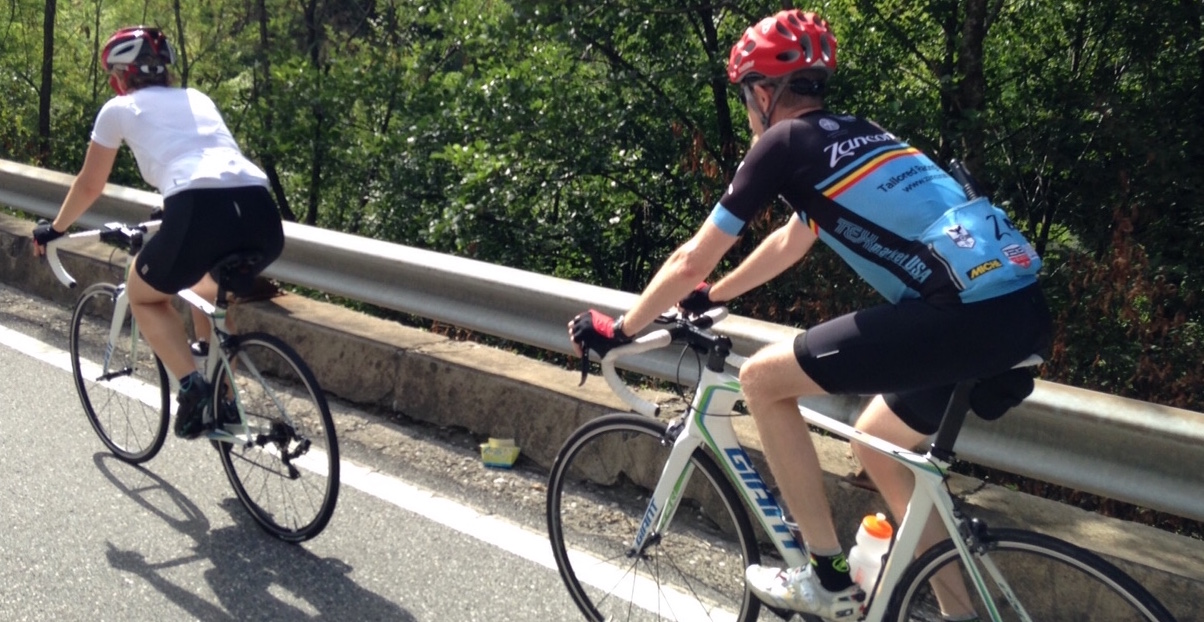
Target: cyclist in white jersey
959	280
216	201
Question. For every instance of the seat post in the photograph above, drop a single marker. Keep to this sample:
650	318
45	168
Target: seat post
951	423
220	301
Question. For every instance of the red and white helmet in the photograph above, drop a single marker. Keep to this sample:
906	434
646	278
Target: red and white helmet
136	49
780	45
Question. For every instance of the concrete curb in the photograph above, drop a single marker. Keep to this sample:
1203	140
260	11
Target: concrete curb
380	364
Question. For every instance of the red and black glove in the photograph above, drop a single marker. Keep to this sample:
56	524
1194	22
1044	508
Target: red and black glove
699	301
594	330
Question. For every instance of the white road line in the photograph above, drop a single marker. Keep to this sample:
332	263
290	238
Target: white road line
510	537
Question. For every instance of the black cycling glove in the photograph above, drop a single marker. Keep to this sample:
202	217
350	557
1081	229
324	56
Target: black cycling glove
44	233
699	301
594	330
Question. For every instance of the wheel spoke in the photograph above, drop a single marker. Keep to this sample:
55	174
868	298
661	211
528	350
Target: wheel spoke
598	495
288	476
129	406
1028	576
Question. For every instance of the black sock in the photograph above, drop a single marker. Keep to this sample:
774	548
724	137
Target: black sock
187	381
832	570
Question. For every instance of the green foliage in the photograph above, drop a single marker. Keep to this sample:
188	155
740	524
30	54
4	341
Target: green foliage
586	140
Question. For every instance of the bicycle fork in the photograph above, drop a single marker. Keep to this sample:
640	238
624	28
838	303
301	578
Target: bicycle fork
121	310
669	488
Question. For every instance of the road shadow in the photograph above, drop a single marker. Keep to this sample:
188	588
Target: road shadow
254	576
154	494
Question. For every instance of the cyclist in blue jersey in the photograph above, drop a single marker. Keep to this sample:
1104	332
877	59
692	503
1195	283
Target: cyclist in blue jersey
960	283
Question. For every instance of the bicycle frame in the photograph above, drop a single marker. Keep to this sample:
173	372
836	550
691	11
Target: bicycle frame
219	337
229	433
218	333
708	422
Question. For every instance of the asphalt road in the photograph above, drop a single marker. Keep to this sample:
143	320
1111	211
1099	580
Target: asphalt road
416	535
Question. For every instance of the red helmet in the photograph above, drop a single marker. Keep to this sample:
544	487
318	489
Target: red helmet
780	45
136	49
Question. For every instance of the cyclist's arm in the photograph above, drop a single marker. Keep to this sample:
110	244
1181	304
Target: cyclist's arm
88	185
690	263
783	248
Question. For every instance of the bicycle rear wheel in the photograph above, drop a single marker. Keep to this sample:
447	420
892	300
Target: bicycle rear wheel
598	495
288	475
121	383
1049	578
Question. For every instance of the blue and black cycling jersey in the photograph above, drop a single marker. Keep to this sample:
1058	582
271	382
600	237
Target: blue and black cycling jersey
899	220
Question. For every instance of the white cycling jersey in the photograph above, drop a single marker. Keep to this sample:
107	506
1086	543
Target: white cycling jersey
178	138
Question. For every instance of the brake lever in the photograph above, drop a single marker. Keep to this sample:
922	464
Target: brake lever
584	365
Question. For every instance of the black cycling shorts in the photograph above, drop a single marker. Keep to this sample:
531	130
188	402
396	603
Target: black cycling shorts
914	352
203	226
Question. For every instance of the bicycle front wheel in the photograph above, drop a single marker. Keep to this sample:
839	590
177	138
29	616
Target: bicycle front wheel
1029	576
287	475
121	383
598	496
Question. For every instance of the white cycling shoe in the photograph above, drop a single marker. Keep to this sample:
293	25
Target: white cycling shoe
798	589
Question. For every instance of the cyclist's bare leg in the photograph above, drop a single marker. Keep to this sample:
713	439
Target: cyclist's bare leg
772	382
895	483
201	326
160	324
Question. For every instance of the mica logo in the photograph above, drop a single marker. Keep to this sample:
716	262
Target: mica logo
983	268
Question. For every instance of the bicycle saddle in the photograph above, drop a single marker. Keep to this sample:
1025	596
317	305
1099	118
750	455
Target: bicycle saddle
994	396
236	271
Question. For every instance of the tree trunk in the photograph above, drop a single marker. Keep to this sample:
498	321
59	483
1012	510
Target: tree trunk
944	69
729	151
44	92
313	43
181	48
94	67
1195	21
972	88
264	92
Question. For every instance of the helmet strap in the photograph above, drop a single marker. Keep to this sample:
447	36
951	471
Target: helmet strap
776	93
117	83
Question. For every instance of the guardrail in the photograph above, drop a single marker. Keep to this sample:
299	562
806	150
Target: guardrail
1134	451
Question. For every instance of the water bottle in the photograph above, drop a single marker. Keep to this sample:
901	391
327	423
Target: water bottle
865	558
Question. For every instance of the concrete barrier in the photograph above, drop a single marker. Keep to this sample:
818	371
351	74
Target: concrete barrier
381	364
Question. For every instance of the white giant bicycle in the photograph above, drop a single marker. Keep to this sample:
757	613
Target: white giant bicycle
650	520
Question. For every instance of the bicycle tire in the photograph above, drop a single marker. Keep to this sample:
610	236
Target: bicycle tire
598	492
279	396
1052	580
128	402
